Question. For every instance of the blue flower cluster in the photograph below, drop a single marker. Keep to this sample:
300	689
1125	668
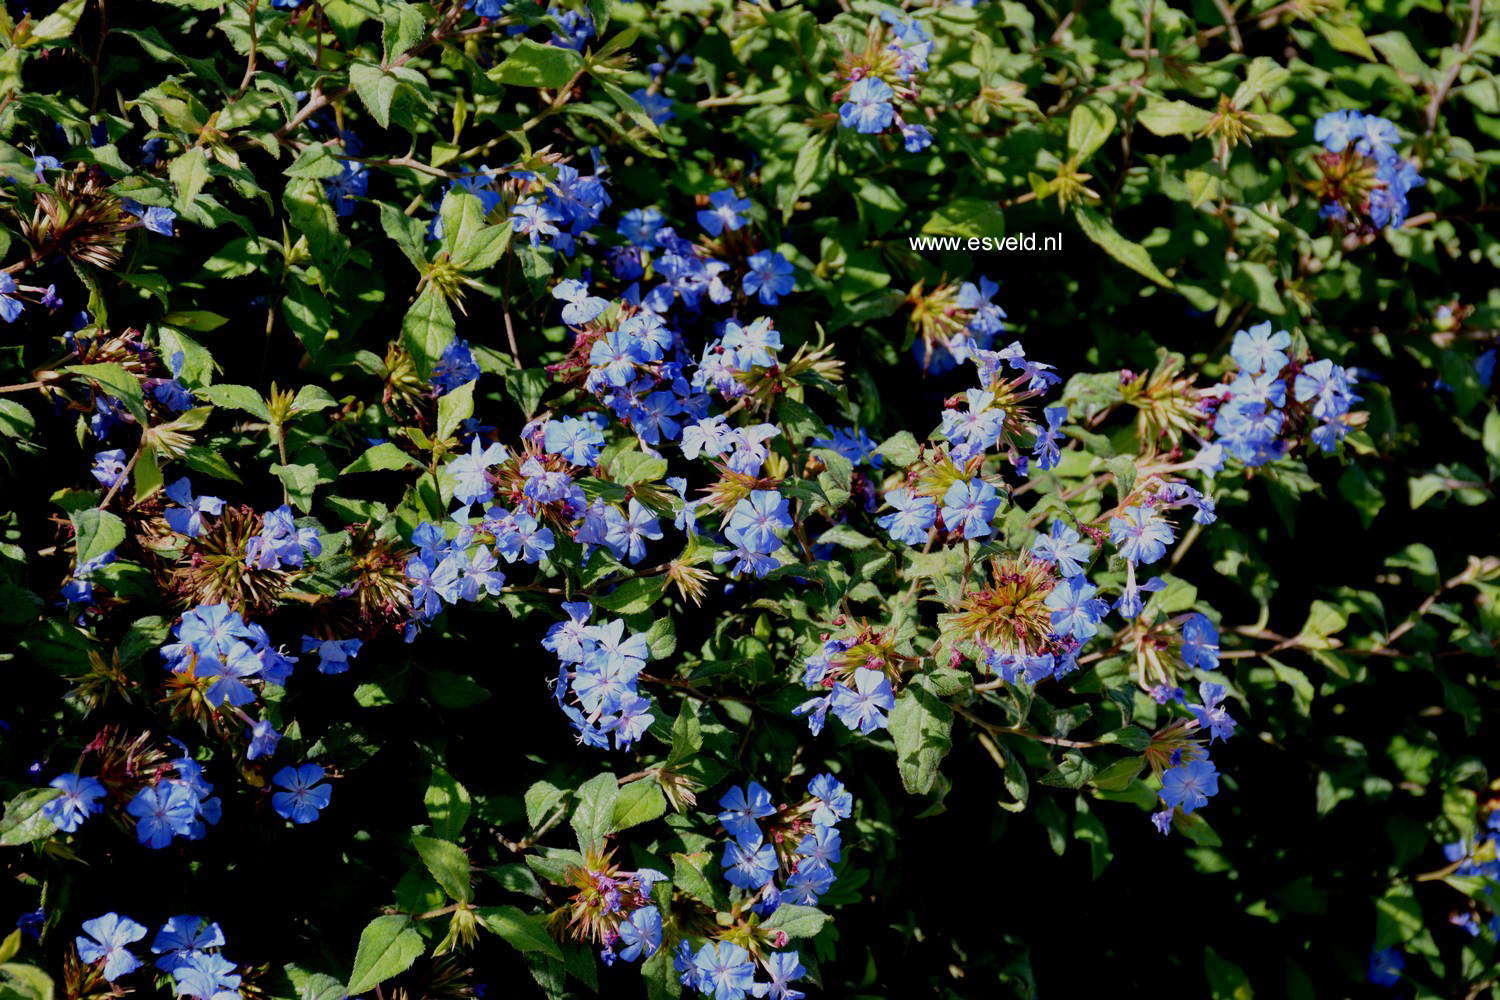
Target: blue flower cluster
861	703
280	542
971	321
869	103
1365	178
725	971
188	948
752	528
444	571
175	806
564	208
1256	412
604	666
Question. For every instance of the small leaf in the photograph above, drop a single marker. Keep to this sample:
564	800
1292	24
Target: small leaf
24	821
639	802
797	921
448	864
1132	255
453	409
535	65
1088	128
594	813
1174	118
96	532
921	725
387	947
238	397
523	931
382	457
447	804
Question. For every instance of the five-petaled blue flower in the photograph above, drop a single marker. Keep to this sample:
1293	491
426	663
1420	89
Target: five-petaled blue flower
301	802
107	940
867	107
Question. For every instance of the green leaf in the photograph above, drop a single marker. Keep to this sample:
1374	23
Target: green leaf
555	864
427	329
921	725
115	381
699	875
1132	255
635	595
967	217
523	931
307	314
383	457
594	812
797	921
447	804
189	172
238	397
1074	772
1088	128
1174	118
453	409
1263	78
387	947
639	802
448	864
1346	36
376	88
900	449
535	65
24	821
96	532
59	24
1118	776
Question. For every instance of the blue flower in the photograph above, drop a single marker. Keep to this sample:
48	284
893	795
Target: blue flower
187	517
1140	535
333	654
301	802
723	969
1190	785
281	541
1200	642
10	306
968	507
915	138
227	676
1047	452
455	368
629	531
752	345
263	738
206	975
574	439
783	967
1385	966
76	803
641	934
657	107
821	846
861	706
109	468
469	472
640	225
1258	349
806	885
1064	547
1337	129
771	275
913	518
749	865
755	520
579	307
742	807
534	220
725	213
162	810
182	937
834	802
1075	610
107	940
866	108
1211	715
